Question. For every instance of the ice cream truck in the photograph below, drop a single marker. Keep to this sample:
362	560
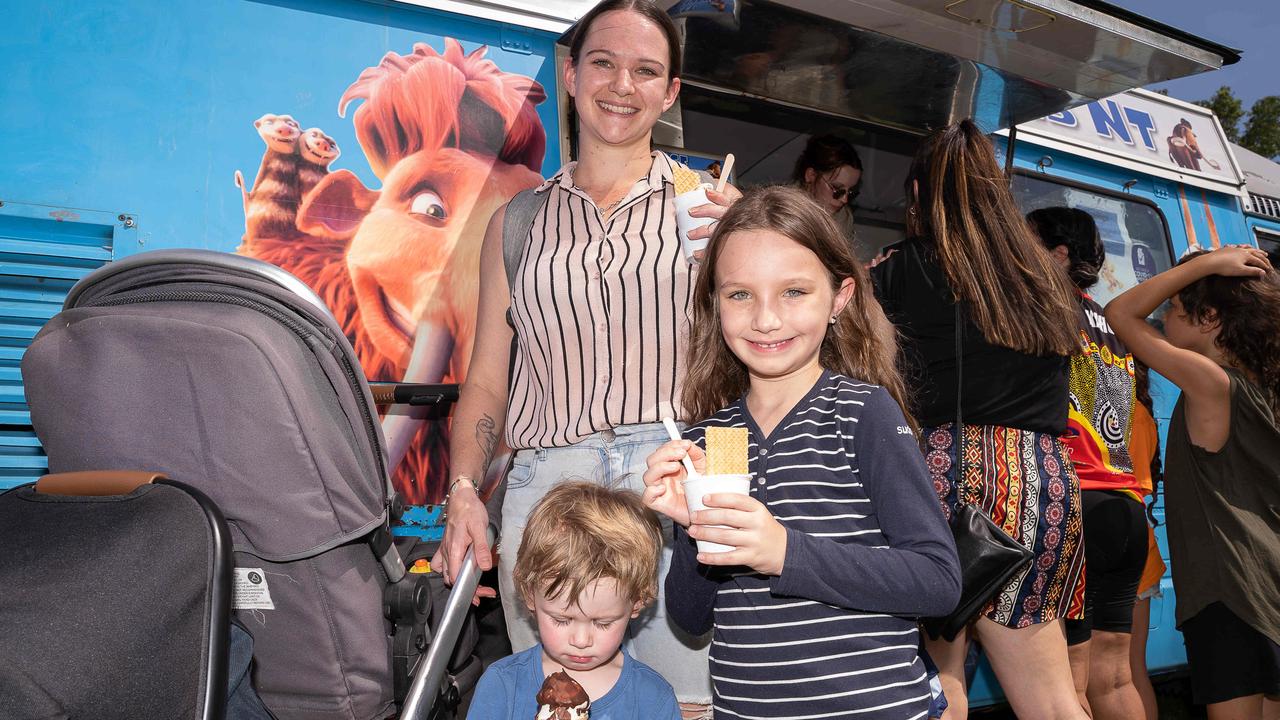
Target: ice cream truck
129	126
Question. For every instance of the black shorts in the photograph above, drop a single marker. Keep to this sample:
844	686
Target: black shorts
1228	658
1115	553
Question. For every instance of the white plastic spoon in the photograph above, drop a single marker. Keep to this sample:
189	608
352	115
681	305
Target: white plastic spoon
674	432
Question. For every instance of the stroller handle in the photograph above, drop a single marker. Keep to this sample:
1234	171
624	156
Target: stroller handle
428	681
387	393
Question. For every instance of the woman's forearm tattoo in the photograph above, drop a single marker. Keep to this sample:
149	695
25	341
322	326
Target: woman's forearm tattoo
486	437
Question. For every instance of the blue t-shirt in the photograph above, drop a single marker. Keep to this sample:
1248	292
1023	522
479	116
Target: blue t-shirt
508	690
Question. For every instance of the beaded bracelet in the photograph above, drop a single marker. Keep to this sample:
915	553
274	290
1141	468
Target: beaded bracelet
454	485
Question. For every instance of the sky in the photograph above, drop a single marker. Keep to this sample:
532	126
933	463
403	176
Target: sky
1252	26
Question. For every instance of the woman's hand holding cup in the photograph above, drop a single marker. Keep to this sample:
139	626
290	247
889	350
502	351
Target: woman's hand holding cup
719	205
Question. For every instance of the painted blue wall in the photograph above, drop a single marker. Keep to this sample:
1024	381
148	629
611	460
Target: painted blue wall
147	108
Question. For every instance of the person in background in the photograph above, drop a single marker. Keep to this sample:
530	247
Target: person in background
1144	448
587	565
840	544
972	266
830	171
599	310
1101	382
1221	346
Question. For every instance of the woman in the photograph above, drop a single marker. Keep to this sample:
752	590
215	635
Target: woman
968	244
830	171
600	311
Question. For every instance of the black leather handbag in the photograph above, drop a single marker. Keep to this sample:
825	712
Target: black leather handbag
989	558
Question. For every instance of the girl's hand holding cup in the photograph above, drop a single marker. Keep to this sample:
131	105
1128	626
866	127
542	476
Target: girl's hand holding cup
664	478
758	539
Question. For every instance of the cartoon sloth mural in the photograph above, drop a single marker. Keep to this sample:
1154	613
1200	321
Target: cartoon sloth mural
452	138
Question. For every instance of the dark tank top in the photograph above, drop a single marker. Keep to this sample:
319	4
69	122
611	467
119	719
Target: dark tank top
1223	513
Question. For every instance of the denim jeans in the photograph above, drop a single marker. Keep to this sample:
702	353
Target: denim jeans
615	459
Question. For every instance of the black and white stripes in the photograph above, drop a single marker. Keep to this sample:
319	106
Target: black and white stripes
601	309
834	636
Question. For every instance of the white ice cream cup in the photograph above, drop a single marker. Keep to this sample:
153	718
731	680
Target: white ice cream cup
697	487
686	222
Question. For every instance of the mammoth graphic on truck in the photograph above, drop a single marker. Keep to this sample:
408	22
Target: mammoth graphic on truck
452	137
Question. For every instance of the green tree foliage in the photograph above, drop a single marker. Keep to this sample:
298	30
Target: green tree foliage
1262	131
1229	110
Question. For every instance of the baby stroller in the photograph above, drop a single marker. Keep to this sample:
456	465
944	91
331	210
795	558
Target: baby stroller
69	600
231	374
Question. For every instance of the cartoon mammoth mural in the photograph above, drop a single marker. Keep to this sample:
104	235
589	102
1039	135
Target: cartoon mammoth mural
452	138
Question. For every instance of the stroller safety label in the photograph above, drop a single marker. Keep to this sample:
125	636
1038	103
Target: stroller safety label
250	590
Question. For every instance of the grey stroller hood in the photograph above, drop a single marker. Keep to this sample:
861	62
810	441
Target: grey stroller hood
242	401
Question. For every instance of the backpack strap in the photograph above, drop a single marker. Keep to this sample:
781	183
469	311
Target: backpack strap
515	229
516	225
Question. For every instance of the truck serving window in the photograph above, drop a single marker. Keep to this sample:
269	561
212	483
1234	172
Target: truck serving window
1134	232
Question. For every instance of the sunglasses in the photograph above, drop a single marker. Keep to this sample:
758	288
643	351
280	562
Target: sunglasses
838	192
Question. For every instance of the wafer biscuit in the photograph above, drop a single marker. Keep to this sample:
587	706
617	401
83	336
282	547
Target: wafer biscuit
726	451
684	178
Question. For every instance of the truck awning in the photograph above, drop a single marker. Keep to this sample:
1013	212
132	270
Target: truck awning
914	65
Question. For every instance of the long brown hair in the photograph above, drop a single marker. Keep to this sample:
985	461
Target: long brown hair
861	344
1247	311
1015	293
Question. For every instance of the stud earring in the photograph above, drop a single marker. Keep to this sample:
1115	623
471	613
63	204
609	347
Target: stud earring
832	321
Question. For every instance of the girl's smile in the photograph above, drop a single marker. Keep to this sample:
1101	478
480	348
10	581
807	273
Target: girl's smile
617	109
772	346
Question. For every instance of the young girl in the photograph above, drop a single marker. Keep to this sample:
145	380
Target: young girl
841	544
1221	346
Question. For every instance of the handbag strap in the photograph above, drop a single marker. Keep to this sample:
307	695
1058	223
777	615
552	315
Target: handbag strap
961	489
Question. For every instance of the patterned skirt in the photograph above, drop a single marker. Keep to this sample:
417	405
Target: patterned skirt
1027	485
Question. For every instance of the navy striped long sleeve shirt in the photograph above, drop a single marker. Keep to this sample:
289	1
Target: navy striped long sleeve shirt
868	551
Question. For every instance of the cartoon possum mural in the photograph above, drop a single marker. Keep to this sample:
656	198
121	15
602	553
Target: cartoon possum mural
452	138
295	161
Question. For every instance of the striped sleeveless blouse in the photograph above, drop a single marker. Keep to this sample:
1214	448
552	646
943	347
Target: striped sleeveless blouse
601	309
